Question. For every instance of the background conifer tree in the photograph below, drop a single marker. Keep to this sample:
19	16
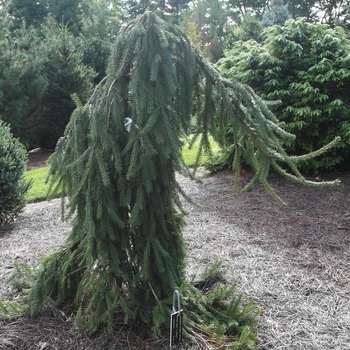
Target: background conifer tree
117	164
22	78
66	74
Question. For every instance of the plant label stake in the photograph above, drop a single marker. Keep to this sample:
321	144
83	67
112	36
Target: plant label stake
176	321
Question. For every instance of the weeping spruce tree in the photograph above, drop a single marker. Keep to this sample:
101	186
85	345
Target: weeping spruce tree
117	165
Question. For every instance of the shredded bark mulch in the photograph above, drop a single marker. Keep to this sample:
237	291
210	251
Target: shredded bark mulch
293	262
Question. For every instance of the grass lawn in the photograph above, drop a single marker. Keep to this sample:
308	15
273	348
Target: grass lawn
38	191
39	188
189	154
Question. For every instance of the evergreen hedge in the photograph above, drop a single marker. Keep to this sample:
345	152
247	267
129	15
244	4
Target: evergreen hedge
13	187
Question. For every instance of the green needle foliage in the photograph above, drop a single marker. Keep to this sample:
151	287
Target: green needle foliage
13	186
126	251
307	67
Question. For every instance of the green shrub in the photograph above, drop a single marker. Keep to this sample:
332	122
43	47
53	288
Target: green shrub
13	187
307	67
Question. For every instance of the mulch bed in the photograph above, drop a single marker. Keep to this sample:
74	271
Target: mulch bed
293	262
38	158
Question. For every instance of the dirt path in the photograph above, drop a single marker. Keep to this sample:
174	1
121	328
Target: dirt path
293	262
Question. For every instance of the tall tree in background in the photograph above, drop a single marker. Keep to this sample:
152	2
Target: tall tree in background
163	7
100	23
22	78
276	13
66	75
117	164
33	12
44	64
333	12
206	25
240	8
303	8
67	13
247	28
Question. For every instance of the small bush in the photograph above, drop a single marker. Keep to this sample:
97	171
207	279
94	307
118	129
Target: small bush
13	187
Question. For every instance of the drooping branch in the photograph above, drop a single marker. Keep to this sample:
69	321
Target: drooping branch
117	164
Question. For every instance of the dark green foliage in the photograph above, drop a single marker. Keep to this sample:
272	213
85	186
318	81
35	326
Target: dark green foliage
305	9
22	78
306	66
67	13
126	251
126	239
33	12
13	187
41	69
214	309
67	75
100	24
